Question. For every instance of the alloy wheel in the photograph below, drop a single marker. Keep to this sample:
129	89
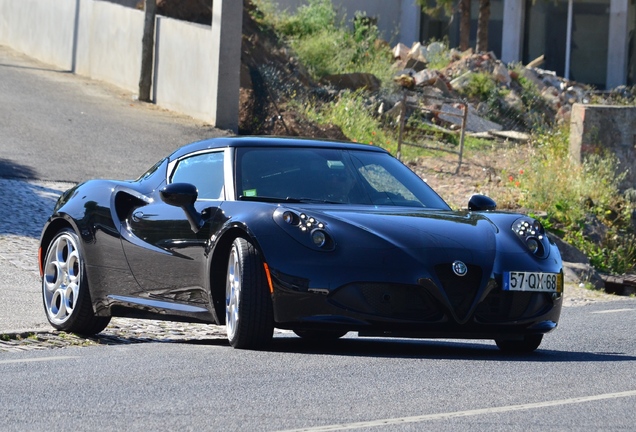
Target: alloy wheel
61	281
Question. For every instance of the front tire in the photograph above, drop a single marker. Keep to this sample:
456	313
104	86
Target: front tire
249	315
526	345
65	291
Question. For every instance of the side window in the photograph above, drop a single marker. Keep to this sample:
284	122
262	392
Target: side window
205	171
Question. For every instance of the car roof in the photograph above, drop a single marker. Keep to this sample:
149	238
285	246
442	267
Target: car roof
254	141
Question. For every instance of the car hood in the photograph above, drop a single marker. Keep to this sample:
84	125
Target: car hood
440	235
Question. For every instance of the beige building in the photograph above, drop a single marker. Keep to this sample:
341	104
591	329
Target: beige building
590	41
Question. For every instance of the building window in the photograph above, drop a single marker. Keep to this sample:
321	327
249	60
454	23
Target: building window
631	47
546	33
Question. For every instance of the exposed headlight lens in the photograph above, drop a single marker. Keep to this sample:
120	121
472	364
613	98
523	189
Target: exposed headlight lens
319	238
288	217
533	245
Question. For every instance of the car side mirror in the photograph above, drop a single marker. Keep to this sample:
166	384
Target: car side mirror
481	203
184	195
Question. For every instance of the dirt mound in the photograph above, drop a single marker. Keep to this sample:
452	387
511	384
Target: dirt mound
271	76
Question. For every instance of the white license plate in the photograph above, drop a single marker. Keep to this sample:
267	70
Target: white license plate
533	282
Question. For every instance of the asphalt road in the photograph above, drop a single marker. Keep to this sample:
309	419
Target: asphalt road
62	127
583	378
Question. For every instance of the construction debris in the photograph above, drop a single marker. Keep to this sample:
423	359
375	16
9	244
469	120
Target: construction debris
506	110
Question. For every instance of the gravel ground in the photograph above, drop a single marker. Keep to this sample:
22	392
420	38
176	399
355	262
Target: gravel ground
485	172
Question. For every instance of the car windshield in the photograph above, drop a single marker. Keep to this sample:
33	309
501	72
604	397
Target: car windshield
325	175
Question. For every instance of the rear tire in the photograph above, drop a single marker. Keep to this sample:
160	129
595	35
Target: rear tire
528	344
65	291
249	315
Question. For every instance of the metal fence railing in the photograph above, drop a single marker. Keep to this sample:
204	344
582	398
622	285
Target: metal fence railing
461	113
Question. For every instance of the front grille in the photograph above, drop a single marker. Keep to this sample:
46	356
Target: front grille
460	290
402	302
503	306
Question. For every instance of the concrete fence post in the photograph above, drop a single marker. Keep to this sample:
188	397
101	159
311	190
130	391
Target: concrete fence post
596	129
227	31
512	32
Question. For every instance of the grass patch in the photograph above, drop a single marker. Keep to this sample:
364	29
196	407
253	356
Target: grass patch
326	46
354	117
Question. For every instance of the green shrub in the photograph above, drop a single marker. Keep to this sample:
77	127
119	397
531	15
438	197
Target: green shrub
354	117
327	47
570	194
480	86
309	19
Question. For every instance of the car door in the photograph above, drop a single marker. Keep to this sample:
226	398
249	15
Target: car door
165	255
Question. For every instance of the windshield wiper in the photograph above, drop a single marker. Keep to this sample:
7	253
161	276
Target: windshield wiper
311	200
287	199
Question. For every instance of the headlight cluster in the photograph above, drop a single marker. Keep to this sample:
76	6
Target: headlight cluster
307	229
532	233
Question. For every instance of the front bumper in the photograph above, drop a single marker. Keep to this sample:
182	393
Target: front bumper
419	310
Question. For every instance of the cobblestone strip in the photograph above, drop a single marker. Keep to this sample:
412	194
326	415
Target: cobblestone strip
120	331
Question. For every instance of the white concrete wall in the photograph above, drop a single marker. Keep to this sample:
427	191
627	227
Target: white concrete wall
389	14
110	43
227	36
39	28
618	43
182	76
98	39
512	32
102	40
410	19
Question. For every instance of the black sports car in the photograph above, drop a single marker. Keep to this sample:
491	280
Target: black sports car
321	238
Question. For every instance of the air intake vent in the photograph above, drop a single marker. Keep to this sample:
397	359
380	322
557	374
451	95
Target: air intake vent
403	302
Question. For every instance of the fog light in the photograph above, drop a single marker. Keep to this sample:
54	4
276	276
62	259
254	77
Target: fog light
319	238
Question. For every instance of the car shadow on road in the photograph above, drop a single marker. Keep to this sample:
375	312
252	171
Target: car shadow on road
398	348
431	349
435	349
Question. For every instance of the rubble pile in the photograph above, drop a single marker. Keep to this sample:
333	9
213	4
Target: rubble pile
523	91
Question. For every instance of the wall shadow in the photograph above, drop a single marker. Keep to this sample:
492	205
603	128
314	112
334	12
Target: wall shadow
11	170
26	203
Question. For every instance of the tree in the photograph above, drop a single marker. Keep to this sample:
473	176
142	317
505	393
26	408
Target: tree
464	24
450	7
482	25
147	50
